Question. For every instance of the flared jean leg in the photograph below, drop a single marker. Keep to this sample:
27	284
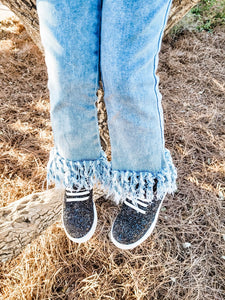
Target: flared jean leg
131	36
70	32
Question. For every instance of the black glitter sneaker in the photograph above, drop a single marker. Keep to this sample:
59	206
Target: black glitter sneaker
79	215
135	222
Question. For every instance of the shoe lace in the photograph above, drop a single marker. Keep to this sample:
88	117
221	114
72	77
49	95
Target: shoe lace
74	195
134	204
141	201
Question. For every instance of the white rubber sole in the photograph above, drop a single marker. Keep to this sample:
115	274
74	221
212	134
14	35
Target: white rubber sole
141	240
87	236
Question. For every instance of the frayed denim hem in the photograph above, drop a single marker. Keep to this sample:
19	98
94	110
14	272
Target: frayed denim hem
66	173
121	184
117	185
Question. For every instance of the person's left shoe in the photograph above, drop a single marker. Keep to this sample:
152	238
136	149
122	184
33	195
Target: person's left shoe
135	223
79	215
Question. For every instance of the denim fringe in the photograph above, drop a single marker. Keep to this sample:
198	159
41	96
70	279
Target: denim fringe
120	184
117	184
66	173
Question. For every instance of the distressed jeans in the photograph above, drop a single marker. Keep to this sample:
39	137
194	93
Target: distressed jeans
117	41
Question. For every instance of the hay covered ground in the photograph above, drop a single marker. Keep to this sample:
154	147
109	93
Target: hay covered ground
185	256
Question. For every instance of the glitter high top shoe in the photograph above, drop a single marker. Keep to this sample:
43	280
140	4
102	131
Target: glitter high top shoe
79	215
135	222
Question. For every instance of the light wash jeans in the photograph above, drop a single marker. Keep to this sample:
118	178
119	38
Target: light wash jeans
119	42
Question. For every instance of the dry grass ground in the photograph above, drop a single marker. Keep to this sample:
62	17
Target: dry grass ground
184	258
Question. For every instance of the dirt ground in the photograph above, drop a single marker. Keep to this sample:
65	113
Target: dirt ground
185	256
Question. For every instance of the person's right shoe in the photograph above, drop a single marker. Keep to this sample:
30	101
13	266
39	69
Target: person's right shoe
79	215
135	222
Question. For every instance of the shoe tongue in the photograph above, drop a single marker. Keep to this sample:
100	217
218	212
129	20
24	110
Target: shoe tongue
76	188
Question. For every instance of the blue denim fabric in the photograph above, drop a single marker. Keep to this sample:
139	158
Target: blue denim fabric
118	40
